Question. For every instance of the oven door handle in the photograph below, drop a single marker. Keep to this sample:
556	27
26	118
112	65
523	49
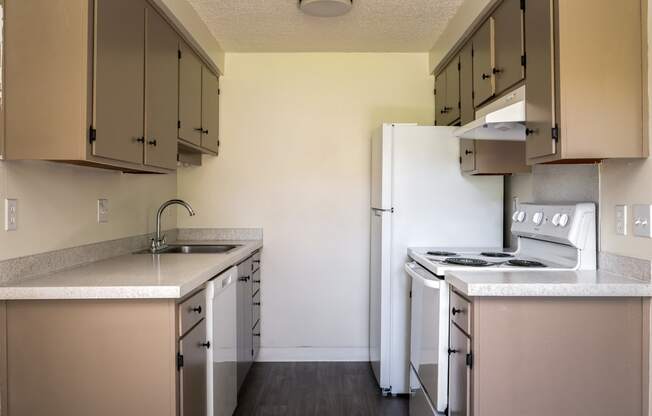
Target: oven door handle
425	277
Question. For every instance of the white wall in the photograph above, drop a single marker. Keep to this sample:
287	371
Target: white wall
57	205
295	160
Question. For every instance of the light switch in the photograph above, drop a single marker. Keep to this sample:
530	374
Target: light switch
102	210
621	219
641	215
11	214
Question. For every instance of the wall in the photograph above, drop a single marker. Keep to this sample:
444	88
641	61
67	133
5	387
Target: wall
295	160
57	205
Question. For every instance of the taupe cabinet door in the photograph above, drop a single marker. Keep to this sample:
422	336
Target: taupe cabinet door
459	380
453	91
119	79
193	372
508	45
467	111
467	155
161	100
190	69
440	99
483	80
210	110
540	102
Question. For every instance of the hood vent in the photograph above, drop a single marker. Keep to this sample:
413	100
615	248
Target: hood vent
502	119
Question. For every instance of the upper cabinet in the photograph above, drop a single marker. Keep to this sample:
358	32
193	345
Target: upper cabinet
447	94
581	62
198	103
585	81
94	83
509	55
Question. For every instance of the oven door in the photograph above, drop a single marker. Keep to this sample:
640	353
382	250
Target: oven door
429	336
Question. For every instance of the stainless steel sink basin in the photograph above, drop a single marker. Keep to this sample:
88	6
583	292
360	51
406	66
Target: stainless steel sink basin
194	249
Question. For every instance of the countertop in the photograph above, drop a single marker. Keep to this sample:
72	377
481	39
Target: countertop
132	276
546	284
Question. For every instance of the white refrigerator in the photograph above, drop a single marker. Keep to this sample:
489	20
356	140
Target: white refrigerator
419	198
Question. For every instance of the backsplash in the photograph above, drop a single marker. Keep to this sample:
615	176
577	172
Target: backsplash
551	184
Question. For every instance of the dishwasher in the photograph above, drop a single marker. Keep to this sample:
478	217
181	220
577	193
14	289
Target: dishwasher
221	332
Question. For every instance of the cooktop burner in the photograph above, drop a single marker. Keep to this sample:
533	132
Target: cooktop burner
463	261
525	263
441	253
497	255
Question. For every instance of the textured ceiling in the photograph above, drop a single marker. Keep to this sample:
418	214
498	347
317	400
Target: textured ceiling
371	26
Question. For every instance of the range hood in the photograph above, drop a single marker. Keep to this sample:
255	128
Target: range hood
502	119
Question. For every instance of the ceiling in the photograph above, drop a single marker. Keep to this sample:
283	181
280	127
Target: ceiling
371	26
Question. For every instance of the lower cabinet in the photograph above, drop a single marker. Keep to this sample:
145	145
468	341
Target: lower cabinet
514	356
492	157
248	317
192	371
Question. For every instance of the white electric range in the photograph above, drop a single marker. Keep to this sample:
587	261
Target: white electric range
550	238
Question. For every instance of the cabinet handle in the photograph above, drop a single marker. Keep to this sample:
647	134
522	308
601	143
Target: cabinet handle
496	71
485	76
455	311
205	131
199	129
244	279
140	140
256	303
197	309
529	132
256	334
206	344
451	351
152	142
468	152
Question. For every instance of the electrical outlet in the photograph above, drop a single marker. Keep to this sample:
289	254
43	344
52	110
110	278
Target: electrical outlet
642	215
102	210
621	219
11	214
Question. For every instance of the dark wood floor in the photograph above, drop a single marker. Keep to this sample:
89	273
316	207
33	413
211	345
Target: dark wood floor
324	389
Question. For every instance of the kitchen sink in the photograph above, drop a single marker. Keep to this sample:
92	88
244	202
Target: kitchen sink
194	249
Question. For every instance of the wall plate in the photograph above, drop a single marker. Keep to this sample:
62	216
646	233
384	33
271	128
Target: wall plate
11	214
102	210
621	219
641	215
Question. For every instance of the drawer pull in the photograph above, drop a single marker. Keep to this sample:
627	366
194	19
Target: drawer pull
256	335
455	311
197	309
206	344
451	351
256	303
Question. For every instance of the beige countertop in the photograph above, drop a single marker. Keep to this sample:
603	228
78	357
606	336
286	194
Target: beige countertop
545	284
132	276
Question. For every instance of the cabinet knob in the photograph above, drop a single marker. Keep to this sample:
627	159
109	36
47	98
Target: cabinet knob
455	311
197	309
199	129
206	344
256	303
140	140
468	152
485	76
496	70
244	278
451	351
152	142
529	132
205	131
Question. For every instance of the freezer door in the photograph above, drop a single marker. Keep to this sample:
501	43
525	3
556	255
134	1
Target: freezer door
379	296
381	167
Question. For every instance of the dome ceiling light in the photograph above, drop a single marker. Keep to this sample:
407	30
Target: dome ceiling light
325	8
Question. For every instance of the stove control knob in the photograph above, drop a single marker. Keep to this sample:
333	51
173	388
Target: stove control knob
515	216
563	220
537	218
555	219
521	216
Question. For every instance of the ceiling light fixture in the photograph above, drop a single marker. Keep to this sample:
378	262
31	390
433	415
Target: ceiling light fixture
325	8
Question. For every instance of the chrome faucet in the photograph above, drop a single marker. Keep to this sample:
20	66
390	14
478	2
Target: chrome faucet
158	243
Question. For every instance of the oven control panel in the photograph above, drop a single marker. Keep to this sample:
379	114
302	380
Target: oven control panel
565	224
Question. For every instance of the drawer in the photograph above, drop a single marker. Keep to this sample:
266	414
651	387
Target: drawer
255	261
255	304
191	311
460	312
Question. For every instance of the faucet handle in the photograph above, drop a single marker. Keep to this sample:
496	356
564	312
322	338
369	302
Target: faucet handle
163	240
